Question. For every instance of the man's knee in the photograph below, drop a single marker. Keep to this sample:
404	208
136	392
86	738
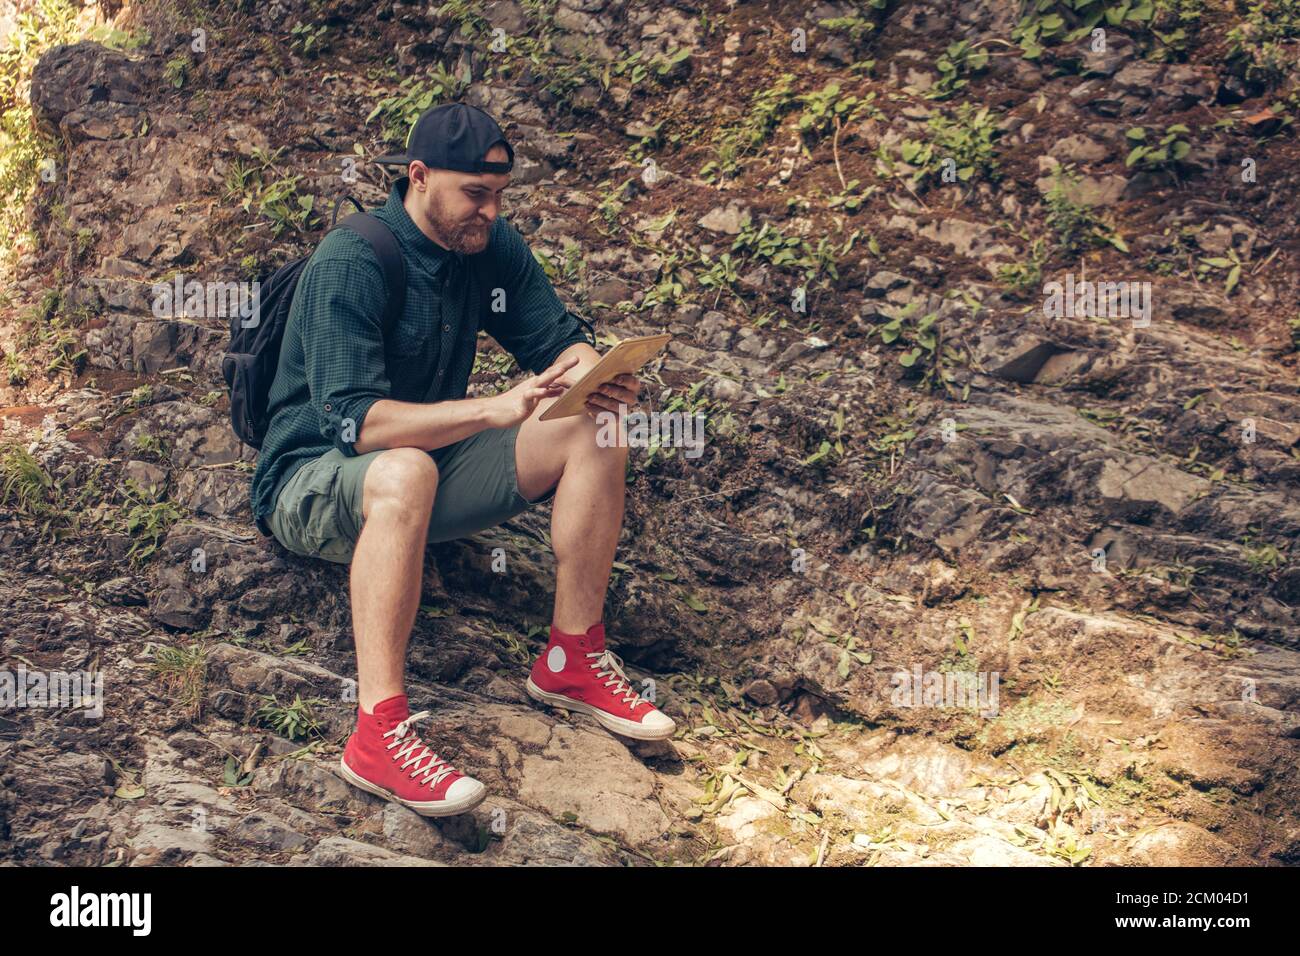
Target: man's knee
401	481
599	437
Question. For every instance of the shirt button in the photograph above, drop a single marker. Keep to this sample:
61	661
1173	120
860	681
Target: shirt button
329	407
446	328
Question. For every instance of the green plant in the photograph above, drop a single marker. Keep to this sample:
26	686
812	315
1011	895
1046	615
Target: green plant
1230	264
1263	558
962	145
670	283
140	396
735	141
66	356
297	721
923	355
919	334
24	146
182	672
16	369
259	183
1048	22
34	323
1075	224
666	63
28	490
287	210
308	40
25	485
1174	23
116	39
415	94
575	264
233	773
718	275
1063	841
1025	276
629	66
471	23
150	445
176	70
563	75
848	198
1165	153
767	242
613	196
831	447
856	27
145	521
828	108
1261	52
957	63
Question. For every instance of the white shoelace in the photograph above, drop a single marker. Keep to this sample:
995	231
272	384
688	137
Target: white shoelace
608	664
410	746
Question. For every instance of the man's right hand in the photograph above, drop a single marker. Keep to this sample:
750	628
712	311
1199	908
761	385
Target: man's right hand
512	407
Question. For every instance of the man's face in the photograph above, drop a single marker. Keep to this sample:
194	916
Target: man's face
459	208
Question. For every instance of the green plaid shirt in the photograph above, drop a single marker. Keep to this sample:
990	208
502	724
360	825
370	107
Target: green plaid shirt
335	361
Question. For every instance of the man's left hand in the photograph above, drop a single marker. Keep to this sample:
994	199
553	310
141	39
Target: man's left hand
622	390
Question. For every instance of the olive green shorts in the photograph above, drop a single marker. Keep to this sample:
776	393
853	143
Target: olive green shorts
318	511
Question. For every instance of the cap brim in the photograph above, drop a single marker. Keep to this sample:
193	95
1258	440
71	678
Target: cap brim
393	159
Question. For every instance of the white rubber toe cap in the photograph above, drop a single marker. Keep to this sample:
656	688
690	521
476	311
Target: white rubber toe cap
466	790
657	722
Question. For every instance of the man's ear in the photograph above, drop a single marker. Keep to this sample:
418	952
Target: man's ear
418	173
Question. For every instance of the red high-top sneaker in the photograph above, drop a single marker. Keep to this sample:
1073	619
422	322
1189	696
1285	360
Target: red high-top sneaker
575	672
384	756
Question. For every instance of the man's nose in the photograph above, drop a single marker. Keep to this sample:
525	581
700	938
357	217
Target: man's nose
489	210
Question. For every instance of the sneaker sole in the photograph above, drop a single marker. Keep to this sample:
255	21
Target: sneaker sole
432	808
615	725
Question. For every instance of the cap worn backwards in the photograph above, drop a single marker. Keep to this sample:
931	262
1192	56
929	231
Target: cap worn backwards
453	136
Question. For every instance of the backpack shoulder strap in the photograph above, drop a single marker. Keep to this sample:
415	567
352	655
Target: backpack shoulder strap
384	243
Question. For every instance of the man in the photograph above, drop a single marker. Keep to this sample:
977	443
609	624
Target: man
373	450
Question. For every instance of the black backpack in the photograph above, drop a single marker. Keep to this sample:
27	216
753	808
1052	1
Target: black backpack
250	362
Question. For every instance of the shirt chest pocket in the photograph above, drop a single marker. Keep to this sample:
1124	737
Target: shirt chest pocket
414	339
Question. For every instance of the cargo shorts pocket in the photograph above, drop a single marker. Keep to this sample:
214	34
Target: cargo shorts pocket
311	514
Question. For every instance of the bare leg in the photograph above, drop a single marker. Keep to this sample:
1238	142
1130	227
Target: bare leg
587	512
387	567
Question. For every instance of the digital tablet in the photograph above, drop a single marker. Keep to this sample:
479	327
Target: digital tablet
625	357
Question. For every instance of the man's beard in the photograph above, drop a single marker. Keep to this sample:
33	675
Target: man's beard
464	236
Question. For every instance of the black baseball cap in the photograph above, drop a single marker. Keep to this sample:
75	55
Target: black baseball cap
453	136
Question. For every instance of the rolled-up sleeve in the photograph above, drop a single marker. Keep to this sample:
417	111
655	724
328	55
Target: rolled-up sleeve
343	344
524	314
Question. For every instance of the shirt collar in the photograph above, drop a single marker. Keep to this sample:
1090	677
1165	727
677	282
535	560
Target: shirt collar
410	234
